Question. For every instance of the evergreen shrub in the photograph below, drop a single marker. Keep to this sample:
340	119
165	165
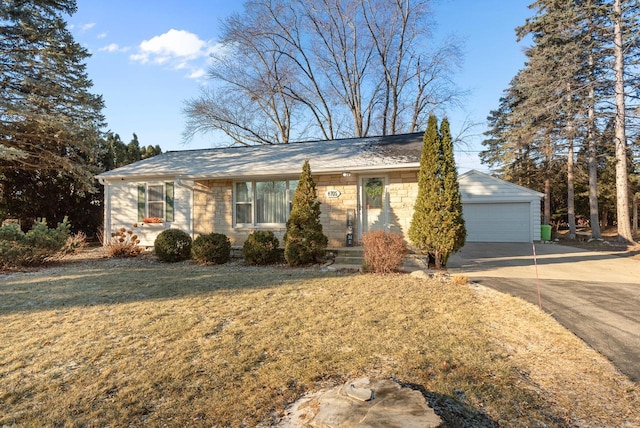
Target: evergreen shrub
214	248
173	245
33	248
384	252
304	240
437	227
261	248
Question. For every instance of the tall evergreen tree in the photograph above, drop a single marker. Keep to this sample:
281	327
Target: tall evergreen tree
304	240
49	120
620	142
453	230
581	70
134	152
437	227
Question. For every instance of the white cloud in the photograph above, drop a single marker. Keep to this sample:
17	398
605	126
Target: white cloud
114	47
173	45
197	74
89	26
102	35
177	50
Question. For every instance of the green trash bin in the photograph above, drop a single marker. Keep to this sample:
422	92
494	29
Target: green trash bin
545	232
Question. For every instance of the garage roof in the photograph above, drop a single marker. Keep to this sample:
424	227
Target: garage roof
476	186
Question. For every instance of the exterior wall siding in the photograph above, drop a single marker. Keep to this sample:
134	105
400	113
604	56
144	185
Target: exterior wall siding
213	207
334	210
123	206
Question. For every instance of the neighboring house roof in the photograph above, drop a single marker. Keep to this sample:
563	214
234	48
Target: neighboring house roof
476	186
352	154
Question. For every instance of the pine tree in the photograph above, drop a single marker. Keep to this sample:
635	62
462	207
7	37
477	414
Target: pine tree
437	227
304	241
49	119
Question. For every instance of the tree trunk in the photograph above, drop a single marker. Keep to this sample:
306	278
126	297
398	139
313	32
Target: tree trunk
571	211
622	184
636	199
547	200
592	151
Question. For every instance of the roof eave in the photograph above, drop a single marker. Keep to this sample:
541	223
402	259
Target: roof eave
316	171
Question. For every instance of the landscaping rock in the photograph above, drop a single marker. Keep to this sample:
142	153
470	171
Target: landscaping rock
362	403
420	274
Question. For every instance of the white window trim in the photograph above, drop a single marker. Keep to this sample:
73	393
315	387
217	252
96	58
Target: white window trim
163	184
253	224
162	199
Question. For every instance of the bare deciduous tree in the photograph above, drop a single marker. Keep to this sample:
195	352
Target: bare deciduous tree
325	68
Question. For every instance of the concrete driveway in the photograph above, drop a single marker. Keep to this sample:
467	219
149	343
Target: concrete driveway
596	295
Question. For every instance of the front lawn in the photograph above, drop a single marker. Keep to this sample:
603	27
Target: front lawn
136	342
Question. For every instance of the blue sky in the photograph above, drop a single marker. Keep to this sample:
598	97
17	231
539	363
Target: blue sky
148	57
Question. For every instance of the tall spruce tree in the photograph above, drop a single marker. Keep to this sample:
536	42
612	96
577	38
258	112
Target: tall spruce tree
49	121
304	240
437	227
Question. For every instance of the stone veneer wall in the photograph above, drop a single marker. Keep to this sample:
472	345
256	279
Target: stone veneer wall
402	190
213	206
334	210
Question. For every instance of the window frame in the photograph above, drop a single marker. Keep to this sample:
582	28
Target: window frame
160	202
167	200
252	201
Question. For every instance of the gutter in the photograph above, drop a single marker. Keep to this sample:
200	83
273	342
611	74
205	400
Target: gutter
320	171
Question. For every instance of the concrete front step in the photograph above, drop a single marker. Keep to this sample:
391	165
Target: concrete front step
346	255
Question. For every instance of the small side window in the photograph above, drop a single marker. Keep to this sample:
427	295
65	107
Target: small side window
156	201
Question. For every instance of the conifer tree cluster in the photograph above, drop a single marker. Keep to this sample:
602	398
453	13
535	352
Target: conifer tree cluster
437	227
304	240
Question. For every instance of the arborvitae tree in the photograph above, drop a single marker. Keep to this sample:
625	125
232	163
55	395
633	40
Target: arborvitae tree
437	227
304	241
453	232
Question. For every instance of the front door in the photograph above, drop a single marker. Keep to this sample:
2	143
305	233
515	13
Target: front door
374	204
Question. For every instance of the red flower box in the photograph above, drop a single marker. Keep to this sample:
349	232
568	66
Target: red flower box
152	220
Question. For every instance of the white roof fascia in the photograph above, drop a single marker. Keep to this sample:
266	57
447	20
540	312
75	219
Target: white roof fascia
320	171
136	178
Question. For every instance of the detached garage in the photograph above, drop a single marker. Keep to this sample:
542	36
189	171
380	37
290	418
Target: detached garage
498	211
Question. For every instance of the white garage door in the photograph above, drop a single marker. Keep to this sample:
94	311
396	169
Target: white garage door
497	222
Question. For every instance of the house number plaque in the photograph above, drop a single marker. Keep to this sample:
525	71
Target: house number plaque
333	193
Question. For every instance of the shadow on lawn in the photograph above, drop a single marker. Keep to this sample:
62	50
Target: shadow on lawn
453	411
117	281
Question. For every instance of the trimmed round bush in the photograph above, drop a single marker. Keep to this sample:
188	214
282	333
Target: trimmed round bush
173	245
214	248
261	248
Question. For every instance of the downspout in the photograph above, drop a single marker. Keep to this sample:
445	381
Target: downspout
106	220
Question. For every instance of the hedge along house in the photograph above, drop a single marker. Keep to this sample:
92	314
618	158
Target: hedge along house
363	184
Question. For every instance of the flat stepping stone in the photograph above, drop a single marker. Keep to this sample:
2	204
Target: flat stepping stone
362	403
